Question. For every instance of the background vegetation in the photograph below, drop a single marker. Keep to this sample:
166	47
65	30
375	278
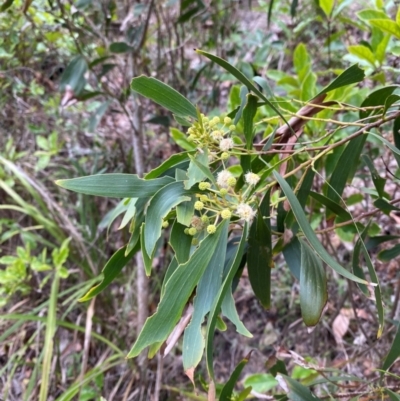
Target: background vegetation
67	110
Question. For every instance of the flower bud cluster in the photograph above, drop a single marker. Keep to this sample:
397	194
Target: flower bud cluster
213	134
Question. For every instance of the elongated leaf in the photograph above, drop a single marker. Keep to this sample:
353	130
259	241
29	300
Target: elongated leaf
228	309
259	254
185	211
373	242
264	85
350	76
177	292
345	168
292	255
309	233
393	148
147	261
173	161
370	13
115	185
378	181
180	242
249	113
392	395
6	4
163	95
162	202
120	47
73	76
207	289
243	100
110	271
195	173
376	98
390	100
386	25
394	351
204	169
297	392
357	270
363	52
213	315
136	224
242	78
389	254
377	289
227	390
313	288
181	140
327	6
331	205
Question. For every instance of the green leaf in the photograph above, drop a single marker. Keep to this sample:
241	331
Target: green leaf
163	95
363	52
331	205
345	168
378	181
120	47
292	255
394	149
243	100
387	25
205	170
185	211
177	292
309	233
207	289
373	242
242	78
181	139
7	4
147	261
357	270
259	254
376	98
130	212
393	396
389	254
163	201
370	13
301	61
226	285
350	76
196	174
175	161
260	382
264	85
298	392
74	75
115	185
390	100
227	391
377	289
110	271
327	6
228	309
394	351
313	288
180	242
249	113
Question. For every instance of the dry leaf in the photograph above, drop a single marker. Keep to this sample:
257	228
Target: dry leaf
341	324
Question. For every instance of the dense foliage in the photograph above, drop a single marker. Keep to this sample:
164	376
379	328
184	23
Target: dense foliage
273	164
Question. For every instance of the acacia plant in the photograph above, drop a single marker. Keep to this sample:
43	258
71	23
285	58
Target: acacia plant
239	194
